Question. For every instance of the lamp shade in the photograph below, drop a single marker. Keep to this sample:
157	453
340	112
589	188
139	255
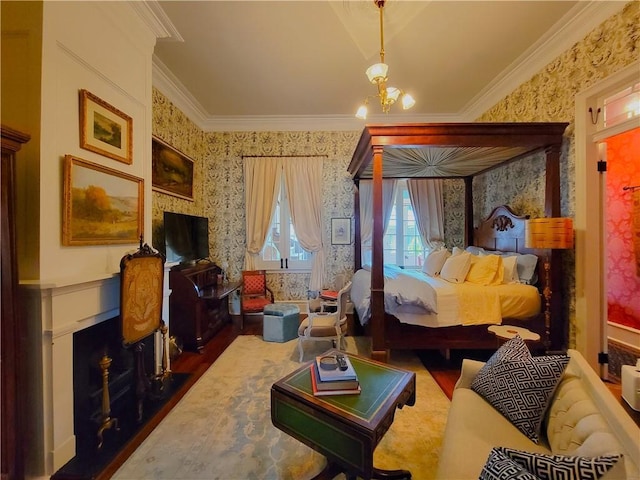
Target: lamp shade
377	72
552	233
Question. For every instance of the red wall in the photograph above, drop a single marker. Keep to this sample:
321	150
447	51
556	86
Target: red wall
623	280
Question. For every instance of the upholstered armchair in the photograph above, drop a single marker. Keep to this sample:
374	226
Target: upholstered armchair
326	326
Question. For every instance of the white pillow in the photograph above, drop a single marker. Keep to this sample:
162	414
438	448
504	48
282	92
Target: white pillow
456	267
434	262
456	251
510	270
526	265
473	250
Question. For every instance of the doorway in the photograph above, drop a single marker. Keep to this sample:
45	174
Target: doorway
607	283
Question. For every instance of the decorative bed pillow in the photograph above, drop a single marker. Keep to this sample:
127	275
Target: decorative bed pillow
456	267
486	270
551	467
457	251
520	387
510	274
473	250
435	261
526	264
500	467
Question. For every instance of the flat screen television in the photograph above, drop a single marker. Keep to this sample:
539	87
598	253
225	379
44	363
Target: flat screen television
186	238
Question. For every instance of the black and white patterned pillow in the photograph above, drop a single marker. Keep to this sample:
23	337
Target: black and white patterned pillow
500	467
520	387
514	349
552	467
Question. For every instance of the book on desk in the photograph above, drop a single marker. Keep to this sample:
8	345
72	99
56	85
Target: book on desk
334	381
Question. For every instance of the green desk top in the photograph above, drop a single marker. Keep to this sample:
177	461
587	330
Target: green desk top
380	384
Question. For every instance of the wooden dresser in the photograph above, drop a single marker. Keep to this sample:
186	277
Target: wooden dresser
199	304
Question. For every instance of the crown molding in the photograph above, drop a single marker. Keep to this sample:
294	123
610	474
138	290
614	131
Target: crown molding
574	26
156	19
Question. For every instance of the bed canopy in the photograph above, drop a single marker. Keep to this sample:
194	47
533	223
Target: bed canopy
446	150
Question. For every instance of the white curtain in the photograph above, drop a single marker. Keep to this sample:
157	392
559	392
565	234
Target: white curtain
427	202
366	213
303	181
262	178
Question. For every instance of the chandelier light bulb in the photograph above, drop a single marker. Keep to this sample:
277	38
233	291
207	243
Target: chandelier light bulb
392	95
407	101
377	72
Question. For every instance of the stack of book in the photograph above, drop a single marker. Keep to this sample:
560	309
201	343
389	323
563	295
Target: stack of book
333	381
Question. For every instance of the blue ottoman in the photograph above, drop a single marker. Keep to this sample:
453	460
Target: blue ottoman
281	322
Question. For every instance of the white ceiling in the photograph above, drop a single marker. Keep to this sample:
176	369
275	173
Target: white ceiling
252	65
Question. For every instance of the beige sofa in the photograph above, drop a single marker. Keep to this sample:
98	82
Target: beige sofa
583	419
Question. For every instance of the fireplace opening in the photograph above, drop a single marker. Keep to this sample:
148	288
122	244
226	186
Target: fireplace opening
89	347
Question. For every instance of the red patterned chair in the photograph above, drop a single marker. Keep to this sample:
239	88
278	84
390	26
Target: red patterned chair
254	294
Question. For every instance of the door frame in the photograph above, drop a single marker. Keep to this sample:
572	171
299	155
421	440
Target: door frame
590	297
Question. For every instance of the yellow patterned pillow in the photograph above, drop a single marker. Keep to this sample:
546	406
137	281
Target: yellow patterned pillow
486	270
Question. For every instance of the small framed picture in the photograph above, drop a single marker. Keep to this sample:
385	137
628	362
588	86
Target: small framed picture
102	206
172	171
104	129
340	231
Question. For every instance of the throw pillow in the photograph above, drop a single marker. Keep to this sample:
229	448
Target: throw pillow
500	467
520	388
511	350
551	467
456	267
526	265
435	261
486	270
510	270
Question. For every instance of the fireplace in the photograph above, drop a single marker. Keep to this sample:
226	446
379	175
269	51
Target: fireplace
55	312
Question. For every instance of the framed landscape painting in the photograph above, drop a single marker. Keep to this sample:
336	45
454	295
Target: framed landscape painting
172	171
104	129
101	206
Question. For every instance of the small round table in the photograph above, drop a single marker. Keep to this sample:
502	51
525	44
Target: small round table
507	332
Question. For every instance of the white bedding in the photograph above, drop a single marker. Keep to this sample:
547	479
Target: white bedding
418	299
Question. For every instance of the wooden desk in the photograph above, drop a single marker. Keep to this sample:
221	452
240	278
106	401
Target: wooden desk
344	428
198	305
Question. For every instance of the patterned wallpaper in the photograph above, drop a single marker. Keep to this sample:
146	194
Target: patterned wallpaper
623	281
547	96
220	194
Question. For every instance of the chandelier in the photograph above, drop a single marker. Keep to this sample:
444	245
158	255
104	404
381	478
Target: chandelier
377	74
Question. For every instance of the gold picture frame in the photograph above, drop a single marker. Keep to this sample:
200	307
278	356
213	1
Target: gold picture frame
172	171
104	129
102	206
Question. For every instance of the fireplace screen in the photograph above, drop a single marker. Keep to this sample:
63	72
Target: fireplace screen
141	283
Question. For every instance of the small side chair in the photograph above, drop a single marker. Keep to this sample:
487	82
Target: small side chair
324	326
254	294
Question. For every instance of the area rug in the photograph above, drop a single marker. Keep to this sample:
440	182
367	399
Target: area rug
221	429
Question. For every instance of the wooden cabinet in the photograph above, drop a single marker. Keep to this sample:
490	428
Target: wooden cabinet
199	304
12	333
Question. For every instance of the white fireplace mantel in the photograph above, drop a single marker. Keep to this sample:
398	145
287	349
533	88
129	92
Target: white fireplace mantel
55	310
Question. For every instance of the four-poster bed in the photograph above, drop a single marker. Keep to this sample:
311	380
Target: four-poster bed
456	150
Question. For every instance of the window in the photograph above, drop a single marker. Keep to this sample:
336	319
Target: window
622	106
402	244
282	250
